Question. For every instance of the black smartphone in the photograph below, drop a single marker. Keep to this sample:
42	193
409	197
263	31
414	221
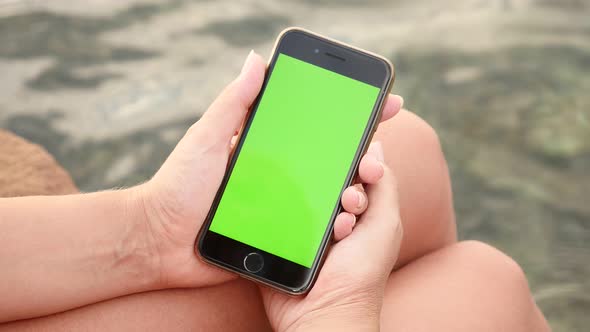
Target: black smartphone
300	147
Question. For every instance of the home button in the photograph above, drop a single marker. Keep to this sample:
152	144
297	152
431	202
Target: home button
253	262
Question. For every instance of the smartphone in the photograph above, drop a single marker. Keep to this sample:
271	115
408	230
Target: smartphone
299	148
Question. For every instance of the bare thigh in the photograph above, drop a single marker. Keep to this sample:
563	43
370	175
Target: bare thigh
468	286
412	150
234	306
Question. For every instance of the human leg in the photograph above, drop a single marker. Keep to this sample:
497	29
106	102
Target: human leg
411	150
467	286
233	306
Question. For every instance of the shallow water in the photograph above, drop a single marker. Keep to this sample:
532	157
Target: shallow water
108	87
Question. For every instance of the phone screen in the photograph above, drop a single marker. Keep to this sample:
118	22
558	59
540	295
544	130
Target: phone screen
294	160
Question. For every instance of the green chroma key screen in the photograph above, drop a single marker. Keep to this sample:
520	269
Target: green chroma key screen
294	161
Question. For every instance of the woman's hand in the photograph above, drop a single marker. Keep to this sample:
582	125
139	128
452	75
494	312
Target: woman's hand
178	198
348	293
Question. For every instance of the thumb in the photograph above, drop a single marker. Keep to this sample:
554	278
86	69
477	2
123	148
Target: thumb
225	116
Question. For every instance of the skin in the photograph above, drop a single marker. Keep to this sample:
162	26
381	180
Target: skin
141	239
467	286
428	259
348	293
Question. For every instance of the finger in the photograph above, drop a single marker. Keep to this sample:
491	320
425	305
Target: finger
233	141
370	168
354	200
393	105
343	225
227	112
378	231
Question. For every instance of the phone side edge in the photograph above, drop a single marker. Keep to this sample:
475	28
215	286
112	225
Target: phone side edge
382	99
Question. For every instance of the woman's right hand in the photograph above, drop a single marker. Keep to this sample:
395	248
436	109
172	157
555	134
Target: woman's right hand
348	293
177	199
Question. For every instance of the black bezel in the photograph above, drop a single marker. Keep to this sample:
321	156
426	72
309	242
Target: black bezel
278	272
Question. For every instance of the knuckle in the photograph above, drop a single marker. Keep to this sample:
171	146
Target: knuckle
207	141
399	226
193	129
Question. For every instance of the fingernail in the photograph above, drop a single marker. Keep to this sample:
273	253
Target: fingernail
247	63
353	220
377	149
360	202
401	102
399	98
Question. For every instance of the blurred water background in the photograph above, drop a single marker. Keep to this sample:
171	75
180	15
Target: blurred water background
108	87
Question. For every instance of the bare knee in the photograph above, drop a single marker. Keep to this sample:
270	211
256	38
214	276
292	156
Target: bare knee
468	286
492	263
413	151
505	281
419	135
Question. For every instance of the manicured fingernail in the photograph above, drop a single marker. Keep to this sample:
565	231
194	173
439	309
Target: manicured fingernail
247	63
360	203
